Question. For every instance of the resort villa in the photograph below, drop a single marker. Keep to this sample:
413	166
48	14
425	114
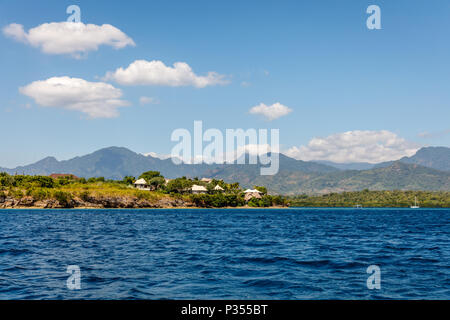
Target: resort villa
252	193
196	189
141	184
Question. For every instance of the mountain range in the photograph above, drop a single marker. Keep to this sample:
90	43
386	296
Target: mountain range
428	169
432	157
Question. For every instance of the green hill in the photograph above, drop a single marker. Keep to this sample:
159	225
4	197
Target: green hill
294	176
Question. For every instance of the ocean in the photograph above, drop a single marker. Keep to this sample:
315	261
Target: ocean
293	253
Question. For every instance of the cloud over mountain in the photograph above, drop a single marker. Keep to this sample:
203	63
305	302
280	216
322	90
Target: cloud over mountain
355	146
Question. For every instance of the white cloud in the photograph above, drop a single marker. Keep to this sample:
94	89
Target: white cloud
355	146
143	72
251	149
96	99
69	37
157	155
271	112
147	100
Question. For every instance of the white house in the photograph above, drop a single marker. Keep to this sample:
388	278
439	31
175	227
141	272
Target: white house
207	180
218	188
141	184
196	189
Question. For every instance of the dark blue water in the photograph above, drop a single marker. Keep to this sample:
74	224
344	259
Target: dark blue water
224	254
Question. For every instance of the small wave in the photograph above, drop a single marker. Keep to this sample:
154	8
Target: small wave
266	283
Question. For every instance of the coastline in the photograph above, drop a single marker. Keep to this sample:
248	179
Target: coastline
140	208
209	208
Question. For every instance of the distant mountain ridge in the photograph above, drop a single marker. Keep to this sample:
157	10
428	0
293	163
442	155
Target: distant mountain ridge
348	166
117	162
432	157
419	172
111	163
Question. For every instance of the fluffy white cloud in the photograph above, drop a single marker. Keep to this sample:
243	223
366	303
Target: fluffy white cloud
96	99
148	100
73	38
271	112
143	72
355	146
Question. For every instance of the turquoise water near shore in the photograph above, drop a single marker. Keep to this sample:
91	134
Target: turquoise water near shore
294	253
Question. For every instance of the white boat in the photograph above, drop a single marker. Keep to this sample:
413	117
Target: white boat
415	206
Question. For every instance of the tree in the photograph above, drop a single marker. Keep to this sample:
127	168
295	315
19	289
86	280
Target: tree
42	181
263	190
233	187
156	182
82	181
179	185
7	181
148	175
128	180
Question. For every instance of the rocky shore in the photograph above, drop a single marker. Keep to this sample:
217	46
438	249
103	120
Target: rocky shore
92	202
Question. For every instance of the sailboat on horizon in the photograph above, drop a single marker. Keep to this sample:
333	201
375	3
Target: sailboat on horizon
415	206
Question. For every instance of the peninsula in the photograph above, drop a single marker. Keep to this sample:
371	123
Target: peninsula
149	190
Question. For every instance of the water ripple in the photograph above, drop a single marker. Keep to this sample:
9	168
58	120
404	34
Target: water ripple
225	254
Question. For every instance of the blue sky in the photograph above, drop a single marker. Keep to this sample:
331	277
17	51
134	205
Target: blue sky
317	58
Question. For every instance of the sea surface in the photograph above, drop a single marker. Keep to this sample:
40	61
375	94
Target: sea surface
295	253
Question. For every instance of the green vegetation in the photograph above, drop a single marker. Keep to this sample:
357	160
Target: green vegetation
293	181
366	198
67	191
263	190
428	170
70	192
149	175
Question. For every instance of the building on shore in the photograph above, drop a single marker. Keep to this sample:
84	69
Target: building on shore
196	189
218	188
252	193
141	184
207	180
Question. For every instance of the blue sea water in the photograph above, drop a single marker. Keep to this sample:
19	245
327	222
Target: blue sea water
294	253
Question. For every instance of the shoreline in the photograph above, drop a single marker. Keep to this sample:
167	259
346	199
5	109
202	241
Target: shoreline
144	208
212	208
